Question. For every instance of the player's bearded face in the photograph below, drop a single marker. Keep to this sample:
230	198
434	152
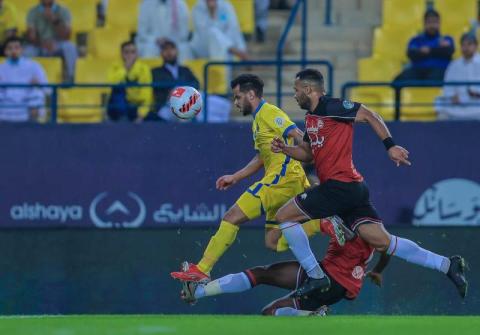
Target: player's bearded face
302	98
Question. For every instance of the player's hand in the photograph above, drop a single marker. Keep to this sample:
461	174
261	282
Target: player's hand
399	155
225	182
375	277
277	145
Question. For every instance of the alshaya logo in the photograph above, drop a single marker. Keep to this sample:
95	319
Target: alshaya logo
38	211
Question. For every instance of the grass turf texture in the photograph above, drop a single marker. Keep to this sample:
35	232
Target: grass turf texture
232	325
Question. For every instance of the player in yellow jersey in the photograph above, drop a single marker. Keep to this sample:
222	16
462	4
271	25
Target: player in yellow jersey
284	178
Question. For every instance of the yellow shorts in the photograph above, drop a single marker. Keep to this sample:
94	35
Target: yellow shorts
262	198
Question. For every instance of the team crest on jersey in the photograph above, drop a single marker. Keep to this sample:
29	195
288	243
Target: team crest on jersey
347	104
279	121
358	272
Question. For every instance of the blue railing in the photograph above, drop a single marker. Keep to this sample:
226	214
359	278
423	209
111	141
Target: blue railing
398	86
279	64
54	88
283	40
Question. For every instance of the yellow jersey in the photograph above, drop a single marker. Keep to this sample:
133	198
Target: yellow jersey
269	122
139	73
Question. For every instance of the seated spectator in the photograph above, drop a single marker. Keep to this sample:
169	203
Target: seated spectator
173	74
170	72
49	30
462	102
8	22
21	104
159	20
216	33
429	52
261	17
132	103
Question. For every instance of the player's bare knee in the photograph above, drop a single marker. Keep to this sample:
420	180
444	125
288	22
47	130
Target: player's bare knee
260	273
272	245
234	216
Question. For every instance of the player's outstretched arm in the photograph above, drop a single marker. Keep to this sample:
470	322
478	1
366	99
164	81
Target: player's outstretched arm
300	152
225	182
376	274
397	154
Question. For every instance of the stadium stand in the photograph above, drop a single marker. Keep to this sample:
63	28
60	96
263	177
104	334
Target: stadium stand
245	10
104	43
418	103
123	15
84	14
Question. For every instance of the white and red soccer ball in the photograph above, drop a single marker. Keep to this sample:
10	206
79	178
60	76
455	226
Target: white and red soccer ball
185	102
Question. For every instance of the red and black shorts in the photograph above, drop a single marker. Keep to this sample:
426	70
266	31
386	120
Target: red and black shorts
350	201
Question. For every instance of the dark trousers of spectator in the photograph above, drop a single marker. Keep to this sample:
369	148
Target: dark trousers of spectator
421	74
119	108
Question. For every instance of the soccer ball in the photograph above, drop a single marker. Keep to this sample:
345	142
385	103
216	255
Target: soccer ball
185	102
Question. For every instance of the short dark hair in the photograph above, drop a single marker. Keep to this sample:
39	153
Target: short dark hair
248	82
469	37
431	13
126	44
313	76
12	39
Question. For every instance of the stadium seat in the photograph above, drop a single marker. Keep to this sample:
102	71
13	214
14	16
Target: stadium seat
391	43
455	15
78	105
23	7
123	14
379	99
53	67
419	95
84	14
404	13
217	76
245	10
378	69
105	43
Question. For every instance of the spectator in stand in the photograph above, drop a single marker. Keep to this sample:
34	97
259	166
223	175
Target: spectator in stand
132	103
8	22
216	33
172	73
261	19
159	20
49	30
21	104
429	52
462	102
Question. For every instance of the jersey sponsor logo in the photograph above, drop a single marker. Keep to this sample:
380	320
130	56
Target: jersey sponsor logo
303	196
347	104
453	201
357	272
313	127
106	213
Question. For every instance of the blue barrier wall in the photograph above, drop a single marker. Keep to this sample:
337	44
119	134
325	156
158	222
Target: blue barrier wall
163	175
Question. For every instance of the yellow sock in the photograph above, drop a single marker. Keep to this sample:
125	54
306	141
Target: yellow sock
311	228
219	243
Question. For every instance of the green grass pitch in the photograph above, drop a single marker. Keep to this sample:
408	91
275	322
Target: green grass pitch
232	325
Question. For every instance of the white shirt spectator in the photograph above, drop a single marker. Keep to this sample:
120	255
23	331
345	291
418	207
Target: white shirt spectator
213	37
16	103
468	107
163	19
